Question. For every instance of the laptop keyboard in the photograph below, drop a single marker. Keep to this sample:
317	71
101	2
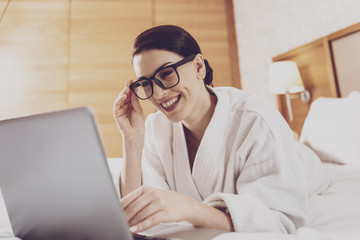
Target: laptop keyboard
142	237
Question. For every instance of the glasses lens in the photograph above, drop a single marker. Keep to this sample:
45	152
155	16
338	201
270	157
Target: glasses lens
168	77
142	88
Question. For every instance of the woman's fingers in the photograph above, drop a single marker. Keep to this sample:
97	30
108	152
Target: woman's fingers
119	102
125	90
143	212
135	211
149	222
153	206
122	104
141	204
128	199
128	113
121	108
135	101
144	206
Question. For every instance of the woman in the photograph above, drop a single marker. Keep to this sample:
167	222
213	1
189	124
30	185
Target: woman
215	157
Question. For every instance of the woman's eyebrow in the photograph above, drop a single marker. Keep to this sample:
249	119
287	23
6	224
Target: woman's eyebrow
163	65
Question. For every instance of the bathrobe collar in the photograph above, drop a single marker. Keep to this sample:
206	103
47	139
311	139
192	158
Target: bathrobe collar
201	181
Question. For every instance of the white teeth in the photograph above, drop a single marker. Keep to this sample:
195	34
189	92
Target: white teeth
170	103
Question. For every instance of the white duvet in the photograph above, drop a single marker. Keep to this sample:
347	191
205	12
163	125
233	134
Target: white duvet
334	214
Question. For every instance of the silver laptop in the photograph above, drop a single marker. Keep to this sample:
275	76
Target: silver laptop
56	182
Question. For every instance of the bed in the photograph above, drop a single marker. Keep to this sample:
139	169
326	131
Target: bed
332	130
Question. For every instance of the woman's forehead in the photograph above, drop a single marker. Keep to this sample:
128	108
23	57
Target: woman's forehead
147	62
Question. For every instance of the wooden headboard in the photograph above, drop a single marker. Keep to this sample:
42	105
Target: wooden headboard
324	71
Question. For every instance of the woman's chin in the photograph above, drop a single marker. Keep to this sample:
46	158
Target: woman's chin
172	117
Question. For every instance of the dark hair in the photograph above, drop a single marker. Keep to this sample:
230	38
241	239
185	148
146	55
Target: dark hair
170	38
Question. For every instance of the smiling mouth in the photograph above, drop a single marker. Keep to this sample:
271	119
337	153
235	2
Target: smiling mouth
170	103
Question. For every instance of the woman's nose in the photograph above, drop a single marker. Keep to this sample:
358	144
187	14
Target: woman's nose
158	91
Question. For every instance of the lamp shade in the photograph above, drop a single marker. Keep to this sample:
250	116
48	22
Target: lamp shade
285	78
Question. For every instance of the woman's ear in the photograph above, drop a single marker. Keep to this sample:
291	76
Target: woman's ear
200	68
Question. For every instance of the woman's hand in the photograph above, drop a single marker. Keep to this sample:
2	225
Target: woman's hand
146	207
128	113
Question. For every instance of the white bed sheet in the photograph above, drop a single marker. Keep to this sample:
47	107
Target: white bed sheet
336	211
334	214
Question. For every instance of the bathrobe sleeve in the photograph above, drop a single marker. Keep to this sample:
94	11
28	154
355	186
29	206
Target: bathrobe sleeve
271	186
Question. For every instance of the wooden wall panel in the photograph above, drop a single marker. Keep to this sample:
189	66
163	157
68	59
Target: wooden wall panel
33	57
232	41
3	4
206	21
101	37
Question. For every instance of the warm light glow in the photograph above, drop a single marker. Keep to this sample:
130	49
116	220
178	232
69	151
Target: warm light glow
285	77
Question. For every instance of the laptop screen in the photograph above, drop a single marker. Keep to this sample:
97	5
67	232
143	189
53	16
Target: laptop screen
62	188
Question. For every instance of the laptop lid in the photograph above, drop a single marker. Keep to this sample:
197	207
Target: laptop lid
55	179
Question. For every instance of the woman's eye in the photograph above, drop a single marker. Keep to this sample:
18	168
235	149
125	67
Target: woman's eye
145	84
136	85
166	73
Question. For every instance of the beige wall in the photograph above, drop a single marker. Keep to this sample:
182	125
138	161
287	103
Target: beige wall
268	28
66	53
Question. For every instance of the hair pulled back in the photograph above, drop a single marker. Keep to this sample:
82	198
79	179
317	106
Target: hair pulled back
170	38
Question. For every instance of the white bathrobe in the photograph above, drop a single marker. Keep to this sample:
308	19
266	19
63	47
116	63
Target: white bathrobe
247	161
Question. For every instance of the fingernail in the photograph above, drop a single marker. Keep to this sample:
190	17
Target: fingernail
133	229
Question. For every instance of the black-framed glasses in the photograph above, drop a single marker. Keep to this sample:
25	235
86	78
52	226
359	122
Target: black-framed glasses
165	77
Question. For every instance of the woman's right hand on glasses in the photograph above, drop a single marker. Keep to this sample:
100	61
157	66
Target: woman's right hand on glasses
128	114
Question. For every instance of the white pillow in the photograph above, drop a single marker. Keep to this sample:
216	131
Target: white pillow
332	129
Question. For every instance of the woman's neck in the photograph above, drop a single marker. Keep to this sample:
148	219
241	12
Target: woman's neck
201	115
